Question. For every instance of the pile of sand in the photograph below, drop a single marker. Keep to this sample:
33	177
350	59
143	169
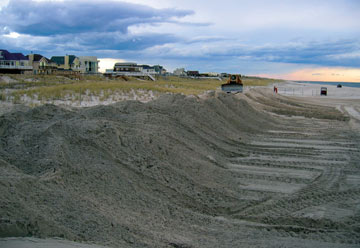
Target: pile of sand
161	174
42	243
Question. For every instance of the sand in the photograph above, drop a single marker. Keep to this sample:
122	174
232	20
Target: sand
42	243
345	99
250	170
313	91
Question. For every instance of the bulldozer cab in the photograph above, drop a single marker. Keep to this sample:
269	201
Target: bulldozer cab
234	79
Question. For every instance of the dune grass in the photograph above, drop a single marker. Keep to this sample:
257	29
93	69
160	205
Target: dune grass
2	96
256	81
47	88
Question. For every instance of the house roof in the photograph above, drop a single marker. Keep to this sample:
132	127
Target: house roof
126	64
193	72
60	60
37	57
12	56
158	68
46	59
147	66
71	58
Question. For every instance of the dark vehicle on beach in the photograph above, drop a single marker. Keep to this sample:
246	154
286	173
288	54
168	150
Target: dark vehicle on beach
339	86
323	91
234	84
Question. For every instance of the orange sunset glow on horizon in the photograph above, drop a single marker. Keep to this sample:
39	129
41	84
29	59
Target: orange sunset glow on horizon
328	74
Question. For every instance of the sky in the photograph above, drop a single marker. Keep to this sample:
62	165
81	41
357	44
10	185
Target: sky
316	40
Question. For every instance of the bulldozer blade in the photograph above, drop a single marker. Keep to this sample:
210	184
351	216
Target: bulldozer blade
232	88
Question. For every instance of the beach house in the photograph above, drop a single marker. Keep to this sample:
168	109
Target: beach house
127	67
148	69
41	64
68	62
88	64
15	63
179	72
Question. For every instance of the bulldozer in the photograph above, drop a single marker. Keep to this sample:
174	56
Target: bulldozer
233	84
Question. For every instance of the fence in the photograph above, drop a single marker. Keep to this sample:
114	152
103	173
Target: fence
298	91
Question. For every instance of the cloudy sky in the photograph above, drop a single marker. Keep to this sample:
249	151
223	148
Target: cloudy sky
301	40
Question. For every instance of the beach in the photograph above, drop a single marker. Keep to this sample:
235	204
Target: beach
257	169
179	124
345	99
313	90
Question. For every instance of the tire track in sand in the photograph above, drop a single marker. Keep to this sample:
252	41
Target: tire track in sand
319	175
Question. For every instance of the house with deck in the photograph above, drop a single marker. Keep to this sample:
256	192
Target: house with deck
81	64
68	62
148	69
68	65
130	69
193	73
14	63
41	65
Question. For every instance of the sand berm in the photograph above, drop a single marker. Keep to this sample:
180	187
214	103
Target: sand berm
251	170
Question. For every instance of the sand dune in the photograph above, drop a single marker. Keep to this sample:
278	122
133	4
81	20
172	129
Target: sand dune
250	170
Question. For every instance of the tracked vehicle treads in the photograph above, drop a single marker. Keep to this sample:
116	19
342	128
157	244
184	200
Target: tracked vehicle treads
233	84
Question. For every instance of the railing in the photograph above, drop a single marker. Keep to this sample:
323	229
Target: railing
45	67
19	67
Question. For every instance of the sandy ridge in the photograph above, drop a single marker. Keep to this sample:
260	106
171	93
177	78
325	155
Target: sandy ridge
257	169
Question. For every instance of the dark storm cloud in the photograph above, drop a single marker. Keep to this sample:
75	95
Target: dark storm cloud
320	53
70	17
84	26
115	40
101	28
325	53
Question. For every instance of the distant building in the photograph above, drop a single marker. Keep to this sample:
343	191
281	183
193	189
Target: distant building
154	70
15	63
81	64
159	70
193	73
130	69
89	64
46	66
34	61
38	64
179	72
127	67
41	64
148	69
68	62
224	74
211	74
134	67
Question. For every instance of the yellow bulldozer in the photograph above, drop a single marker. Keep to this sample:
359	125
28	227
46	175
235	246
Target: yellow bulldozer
234	84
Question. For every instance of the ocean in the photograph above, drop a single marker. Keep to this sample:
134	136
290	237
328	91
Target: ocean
356	85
